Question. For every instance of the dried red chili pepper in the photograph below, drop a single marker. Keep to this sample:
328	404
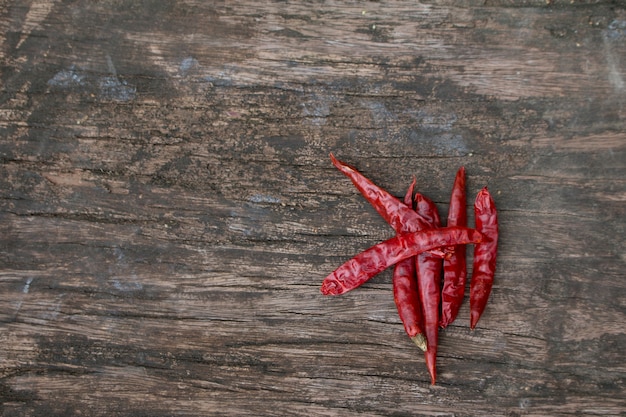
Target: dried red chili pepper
484	266
405	293
406	297
370	262
447	242
400	217
428	282
454	266
408	197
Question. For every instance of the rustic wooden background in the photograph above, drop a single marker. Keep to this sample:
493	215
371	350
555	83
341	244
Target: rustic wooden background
168	209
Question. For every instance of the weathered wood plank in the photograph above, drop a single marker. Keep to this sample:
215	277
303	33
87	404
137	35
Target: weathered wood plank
168	209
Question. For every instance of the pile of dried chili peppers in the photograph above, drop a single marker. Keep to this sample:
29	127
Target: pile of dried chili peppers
420	251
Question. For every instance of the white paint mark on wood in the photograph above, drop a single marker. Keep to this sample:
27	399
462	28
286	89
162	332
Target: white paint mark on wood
112	88
125	285
187	65
68	78
25	289
524	403
616	32
127	281
261	198
27	285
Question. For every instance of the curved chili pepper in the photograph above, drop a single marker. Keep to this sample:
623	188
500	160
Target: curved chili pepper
428	282
399	216
370	262
455	266
484	267
405	293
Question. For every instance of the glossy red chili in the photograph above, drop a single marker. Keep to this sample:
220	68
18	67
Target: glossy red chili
405	292
484	266
428	282
370	262
455	266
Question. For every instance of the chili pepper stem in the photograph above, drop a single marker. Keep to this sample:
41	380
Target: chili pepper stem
420	341
432	370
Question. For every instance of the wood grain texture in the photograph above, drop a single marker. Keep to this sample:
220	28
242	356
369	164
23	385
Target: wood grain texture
168	209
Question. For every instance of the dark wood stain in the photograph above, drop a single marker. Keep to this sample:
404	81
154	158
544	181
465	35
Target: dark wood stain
168	209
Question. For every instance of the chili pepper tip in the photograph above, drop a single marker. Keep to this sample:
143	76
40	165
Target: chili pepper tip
430	364
474	317
342	166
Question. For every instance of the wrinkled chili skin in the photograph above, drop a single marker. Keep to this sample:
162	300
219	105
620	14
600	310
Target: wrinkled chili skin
484	266
455	266
428	282
405	293
400	216
406	297
370	262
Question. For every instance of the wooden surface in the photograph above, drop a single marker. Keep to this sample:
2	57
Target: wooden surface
168	209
